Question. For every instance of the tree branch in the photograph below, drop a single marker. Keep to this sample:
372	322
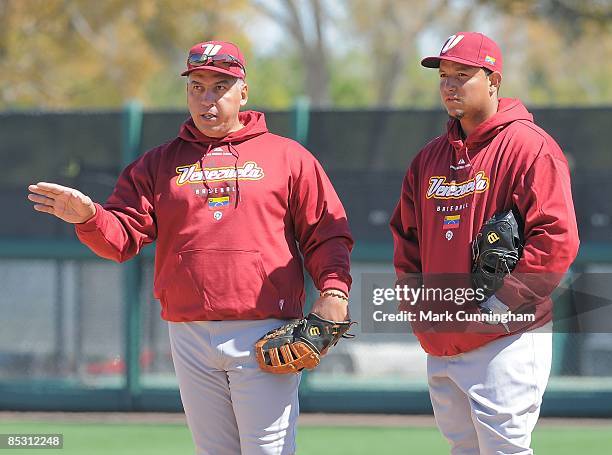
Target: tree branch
267	11
296	25
319	17
82	27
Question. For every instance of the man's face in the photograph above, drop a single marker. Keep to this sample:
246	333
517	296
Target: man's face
465	90
214	100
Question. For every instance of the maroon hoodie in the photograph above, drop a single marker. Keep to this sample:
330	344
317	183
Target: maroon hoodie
229	237
453	186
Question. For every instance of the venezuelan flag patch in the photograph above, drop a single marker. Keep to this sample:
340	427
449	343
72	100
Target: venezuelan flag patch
218	202
451	222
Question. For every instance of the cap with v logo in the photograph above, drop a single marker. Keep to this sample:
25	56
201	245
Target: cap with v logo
468	48
218	56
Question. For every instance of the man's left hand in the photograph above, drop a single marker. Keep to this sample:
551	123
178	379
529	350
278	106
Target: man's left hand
331	308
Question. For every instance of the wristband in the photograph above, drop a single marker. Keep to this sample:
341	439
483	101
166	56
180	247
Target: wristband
334	293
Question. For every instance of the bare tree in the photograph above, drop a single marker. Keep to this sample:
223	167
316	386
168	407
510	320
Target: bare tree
305	22
391	30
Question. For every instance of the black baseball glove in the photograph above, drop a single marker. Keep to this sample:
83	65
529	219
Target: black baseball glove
299	344
496	250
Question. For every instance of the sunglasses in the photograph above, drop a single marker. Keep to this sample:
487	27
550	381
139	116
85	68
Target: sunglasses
214	60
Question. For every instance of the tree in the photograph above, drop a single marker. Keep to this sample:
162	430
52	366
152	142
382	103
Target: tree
305	22
571	14
381	34
559	50
389	32
79	53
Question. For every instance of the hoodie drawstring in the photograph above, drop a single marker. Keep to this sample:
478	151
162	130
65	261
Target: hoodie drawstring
234	151
205	181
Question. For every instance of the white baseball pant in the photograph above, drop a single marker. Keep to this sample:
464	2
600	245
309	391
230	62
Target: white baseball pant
232	407
487	401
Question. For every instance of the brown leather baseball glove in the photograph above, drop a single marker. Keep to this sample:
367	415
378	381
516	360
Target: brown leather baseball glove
299	344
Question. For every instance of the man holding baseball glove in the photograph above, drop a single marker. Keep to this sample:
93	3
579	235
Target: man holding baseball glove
233	209
491	196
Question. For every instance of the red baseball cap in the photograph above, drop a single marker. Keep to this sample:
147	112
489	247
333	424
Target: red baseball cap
219	56
468	48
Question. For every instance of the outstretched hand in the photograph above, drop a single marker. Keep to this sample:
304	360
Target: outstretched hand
63	202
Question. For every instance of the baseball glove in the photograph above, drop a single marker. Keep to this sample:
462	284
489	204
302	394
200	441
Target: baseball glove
496	250
299	344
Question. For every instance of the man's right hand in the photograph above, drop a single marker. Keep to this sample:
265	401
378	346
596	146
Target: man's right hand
65	203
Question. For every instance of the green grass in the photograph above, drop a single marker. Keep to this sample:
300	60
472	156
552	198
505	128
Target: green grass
400	441
111	439
149	439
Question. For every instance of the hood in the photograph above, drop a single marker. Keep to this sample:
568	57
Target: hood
508	111
254	125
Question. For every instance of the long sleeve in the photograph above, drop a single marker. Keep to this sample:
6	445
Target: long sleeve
126	222
406	256
320	225
544	200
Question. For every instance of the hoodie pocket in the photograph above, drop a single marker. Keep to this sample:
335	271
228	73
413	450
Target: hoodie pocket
230	283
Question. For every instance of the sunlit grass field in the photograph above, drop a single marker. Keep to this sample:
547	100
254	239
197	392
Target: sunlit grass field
154	439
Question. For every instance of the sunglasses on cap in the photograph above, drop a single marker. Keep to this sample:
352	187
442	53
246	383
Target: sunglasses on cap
214	60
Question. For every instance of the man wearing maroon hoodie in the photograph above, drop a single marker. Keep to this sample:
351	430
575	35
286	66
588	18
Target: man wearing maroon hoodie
231	207
486	386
